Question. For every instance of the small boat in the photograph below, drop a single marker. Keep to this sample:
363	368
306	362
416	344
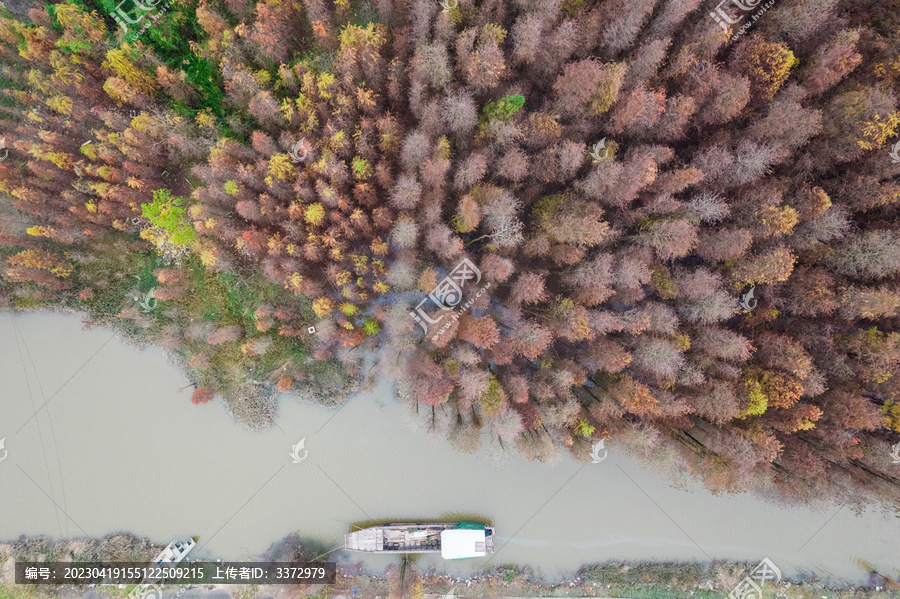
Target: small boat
176	551
172	554
458	540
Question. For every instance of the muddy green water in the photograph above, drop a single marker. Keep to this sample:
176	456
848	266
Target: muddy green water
119	448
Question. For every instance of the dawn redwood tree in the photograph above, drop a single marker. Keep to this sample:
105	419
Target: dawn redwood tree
202	395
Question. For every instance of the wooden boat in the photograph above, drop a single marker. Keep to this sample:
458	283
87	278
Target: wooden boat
175	551
456	540
172	554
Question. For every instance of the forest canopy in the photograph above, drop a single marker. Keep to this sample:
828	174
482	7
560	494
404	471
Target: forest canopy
551	221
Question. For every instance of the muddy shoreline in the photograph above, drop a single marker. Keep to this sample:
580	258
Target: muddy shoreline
405	580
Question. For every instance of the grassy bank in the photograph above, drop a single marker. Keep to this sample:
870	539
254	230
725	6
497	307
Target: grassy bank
235	335
404	580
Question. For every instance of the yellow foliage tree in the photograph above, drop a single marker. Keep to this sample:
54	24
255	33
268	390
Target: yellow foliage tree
280	166
315	214
322	306
42	260
118	60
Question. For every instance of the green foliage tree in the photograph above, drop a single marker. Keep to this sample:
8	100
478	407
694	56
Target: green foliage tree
169	214
501	110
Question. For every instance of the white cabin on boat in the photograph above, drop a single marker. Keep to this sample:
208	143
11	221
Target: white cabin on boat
464	543
456	540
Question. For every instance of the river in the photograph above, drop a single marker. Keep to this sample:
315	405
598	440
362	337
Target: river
119	448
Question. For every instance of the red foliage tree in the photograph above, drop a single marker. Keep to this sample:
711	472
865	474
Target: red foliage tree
202	395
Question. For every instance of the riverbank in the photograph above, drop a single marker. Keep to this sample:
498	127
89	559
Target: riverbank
233	336
405	579
89	407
